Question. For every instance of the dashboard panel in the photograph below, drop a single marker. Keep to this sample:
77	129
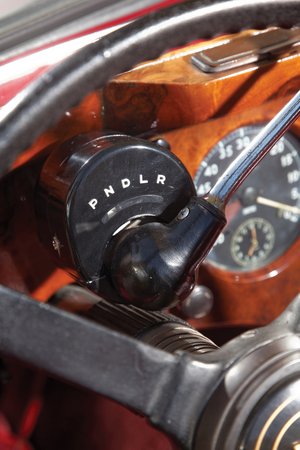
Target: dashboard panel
253	296
195	111
169	98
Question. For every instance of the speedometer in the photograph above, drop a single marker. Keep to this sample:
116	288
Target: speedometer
263	215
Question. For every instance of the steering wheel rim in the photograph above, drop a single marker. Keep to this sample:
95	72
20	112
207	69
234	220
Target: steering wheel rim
40	105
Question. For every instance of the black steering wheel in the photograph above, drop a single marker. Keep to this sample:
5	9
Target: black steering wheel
43	102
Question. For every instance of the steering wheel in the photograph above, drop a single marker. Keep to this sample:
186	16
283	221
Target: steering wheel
41	105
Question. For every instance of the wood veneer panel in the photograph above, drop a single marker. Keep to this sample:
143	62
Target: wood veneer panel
171	93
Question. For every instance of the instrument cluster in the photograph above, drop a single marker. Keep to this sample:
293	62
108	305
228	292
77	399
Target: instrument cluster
252	269
263	215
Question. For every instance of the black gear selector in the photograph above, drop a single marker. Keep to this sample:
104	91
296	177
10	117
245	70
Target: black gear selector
97	189
121	215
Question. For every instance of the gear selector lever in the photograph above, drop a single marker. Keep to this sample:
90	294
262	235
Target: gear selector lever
123	218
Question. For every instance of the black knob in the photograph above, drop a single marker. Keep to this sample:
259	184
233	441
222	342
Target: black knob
97	184
154	266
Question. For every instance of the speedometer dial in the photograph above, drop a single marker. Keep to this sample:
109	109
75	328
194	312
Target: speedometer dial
263	215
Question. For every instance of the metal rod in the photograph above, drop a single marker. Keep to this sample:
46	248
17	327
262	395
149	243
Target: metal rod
243	165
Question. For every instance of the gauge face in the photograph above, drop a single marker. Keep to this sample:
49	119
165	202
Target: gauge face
263	215
252	242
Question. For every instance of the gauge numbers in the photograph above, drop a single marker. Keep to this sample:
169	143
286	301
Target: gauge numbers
263	215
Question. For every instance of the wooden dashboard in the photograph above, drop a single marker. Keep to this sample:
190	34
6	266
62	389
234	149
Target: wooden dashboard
193	111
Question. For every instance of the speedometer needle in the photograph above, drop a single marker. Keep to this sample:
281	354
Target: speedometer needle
273	204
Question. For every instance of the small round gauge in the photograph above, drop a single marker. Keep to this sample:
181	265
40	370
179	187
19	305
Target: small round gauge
252	242
263	215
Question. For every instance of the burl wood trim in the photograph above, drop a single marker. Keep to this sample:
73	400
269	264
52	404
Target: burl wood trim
171	93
